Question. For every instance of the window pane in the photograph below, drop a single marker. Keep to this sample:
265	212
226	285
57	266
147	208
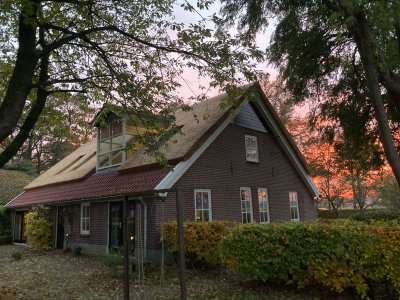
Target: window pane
198	201
104	146
198	215
116	142
205	200
104	160
206	215
116	157
116	127
104	133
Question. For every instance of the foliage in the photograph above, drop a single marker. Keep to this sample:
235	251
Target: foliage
337	255
5	226
113	259
38	228
129	53
228	294
388	191
201	239
16	255
377	215
22	165
342	55
338	214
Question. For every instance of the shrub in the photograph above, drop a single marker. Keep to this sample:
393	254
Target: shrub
113	259
379	215
201	239
38	228
337	255
16	255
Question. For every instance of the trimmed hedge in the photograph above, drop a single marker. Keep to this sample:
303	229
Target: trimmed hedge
377	215
201	239
337	255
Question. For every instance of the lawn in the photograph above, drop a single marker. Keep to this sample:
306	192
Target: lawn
58	275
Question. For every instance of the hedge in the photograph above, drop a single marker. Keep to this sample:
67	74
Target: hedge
377	215
201	239
337	255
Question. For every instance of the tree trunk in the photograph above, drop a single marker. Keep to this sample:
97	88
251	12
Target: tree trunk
362	36
32	117
20	82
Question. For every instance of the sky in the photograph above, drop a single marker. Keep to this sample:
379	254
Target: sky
192	80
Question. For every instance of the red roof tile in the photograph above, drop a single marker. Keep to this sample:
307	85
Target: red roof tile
105	184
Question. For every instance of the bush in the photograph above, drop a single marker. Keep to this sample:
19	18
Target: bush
378	215
16	255
337	255
38	228
339	214
201	240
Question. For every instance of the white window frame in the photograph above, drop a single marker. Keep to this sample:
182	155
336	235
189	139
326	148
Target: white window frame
242	202
261	205
294	205
85	220
250	150
110	150
201	209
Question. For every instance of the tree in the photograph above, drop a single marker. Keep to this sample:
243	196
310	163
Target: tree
127	52
315	42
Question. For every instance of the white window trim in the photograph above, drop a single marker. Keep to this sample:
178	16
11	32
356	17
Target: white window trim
85	232
297	206
209	202
122	149
267	200
256	140
241	204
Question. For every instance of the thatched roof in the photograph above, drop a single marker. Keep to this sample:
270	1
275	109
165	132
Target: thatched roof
197	125
77	165
12	184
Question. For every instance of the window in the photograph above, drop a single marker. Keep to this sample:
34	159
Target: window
294	206
202	202
263	205
251	148
247	209
111	144
85	218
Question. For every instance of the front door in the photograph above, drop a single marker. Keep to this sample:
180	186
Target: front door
116	214
19	227
60	227
116	210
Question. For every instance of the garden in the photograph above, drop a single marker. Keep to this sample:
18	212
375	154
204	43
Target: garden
327	259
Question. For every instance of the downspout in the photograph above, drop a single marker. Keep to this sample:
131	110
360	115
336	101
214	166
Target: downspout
144	228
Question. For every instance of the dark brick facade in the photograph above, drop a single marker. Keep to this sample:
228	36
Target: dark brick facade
223	169
98	224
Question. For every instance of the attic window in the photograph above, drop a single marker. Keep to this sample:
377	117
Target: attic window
111	144
251	148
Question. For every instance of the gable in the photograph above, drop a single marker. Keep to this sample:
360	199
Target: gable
249	117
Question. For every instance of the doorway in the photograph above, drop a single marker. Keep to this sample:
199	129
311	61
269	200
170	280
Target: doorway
60	228
115	225
19	227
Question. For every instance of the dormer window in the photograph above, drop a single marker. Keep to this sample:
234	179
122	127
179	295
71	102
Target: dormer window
111	144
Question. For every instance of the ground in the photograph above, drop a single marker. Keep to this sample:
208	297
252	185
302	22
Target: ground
59	275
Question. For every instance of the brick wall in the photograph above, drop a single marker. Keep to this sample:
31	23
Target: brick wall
98	224
223	169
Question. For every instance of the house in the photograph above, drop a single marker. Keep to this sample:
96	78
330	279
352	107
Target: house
239	164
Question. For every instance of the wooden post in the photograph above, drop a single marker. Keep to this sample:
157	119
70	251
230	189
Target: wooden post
181	243
125	245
